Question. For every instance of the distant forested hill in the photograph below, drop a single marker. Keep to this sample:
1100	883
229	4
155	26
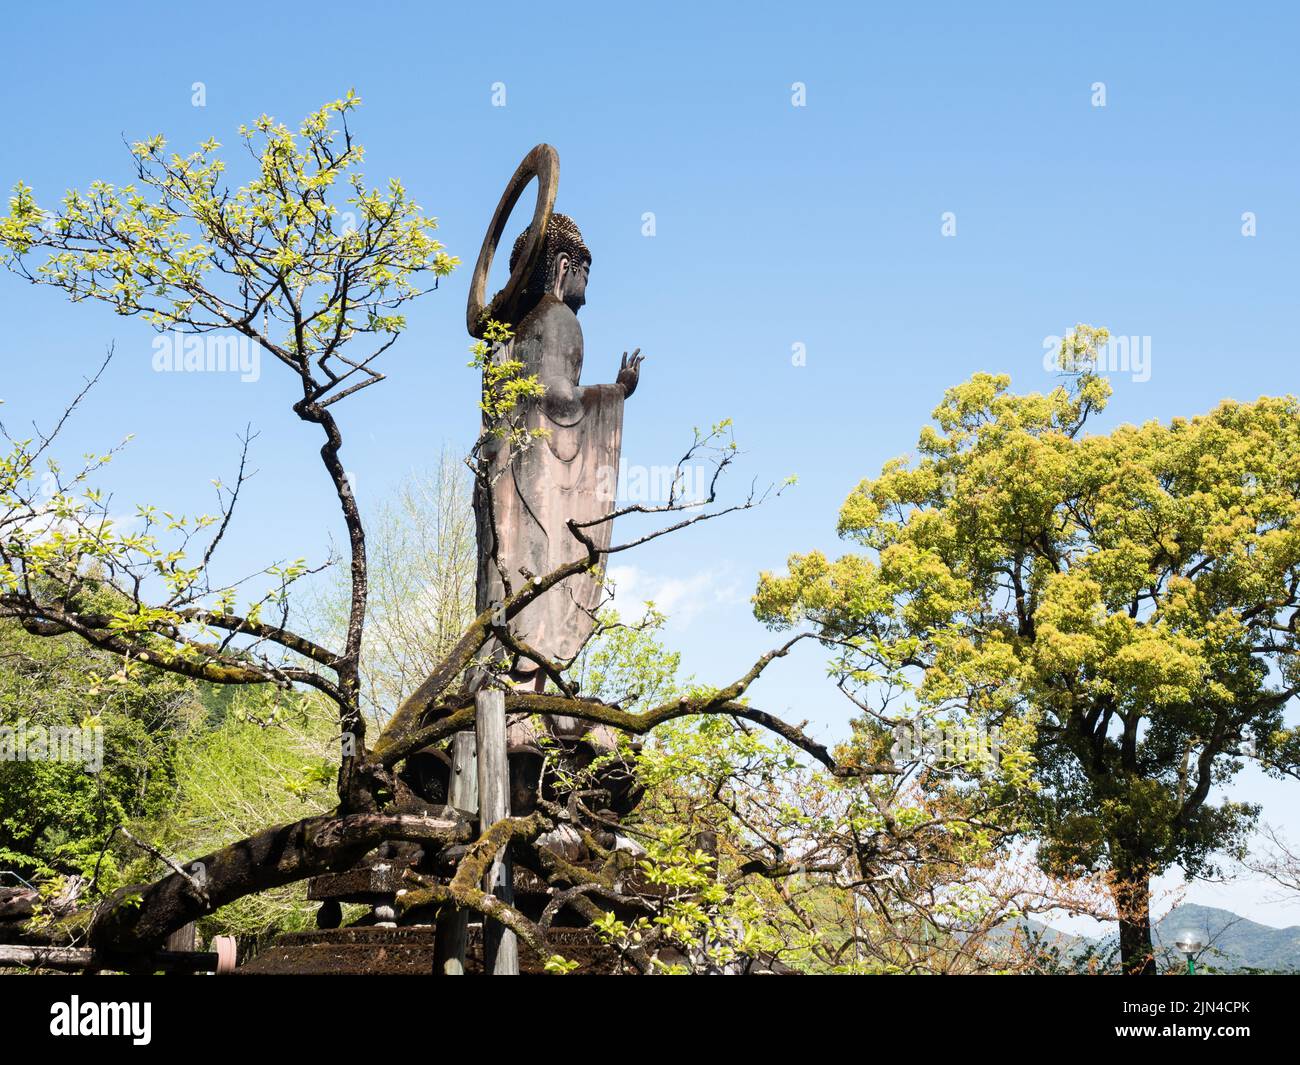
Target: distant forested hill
1235	942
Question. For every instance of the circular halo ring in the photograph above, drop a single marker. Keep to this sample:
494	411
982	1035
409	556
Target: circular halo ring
542	163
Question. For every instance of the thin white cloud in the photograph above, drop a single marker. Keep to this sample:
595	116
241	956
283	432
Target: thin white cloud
681	597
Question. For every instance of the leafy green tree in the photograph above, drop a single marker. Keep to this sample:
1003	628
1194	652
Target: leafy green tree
752	856
185	767
269	757
57	815
309	263
1129	598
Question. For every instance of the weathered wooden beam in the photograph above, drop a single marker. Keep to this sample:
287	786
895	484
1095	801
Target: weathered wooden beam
500	945
358	884
282	854
18	903
462	794
78	959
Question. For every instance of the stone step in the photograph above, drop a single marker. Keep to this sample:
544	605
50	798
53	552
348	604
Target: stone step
408	951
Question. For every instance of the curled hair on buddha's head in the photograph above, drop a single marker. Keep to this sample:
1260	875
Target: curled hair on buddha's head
562	237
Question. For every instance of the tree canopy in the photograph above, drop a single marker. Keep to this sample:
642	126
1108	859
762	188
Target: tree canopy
1128	599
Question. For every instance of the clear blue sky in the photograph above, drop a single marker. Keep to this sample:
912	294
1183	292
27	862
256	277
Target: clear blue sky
776	226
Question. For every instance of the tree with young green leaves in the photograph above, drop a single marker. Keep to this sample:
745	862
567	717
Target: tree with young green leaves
1129	599
315	267
308	262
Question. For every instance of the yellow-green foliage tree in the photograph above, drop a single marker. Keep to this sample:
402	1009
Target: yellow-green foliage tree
1131	597
308	262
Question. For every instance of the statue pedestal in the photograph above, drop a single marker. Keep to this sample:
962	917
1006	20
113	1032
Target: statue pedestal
409	952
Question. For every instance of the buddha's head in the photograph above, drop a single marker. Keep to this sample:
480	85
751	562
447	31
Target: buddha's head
563	267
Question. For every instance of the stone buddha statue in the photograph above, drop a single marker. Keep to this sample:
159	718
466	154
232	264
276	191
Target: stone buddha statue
566	473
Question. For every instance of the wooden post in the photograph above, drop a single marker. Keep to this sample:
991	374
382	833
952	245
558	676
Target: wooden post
183	940
500	945
462	795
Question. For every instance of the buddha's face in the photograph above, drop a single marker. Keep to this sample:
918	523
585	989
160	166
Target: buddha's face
571	284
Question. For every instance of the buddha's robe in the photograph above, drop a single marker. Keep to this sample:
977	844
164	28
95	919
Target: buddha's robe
568	474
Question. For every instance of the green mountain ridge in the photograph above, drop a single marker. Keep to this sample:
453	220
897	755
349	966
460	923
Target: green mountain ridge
1232	943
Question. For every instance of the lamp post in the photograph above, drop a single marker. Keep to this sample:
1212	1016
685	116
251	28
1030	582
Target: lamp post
1190	944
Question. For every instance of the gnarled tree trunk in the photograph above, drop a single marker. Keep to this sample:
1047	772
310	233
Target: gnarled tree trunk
1131	890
